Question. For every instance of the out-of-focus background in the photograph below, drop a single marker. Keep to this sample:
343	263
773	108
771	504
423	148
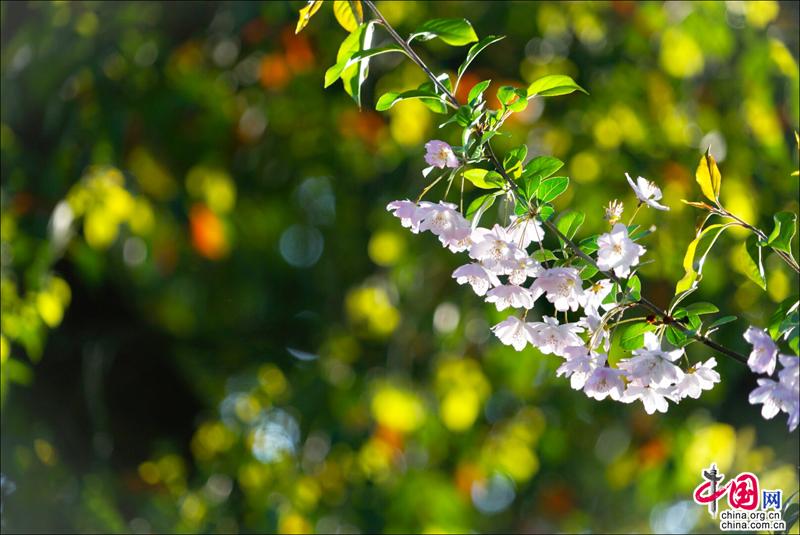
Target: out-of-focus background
211	323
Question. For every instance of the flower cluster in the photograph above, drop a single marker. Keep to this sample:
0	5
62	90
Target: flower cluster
782	395
506	274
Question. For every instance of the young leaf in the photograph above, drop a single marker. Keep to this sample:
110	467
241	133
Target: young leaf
480	205
676	337
477	90
708	176
633	335
484	179
719	322
554	85
700	308
474	50
349	13
454	32
354	75
696	254
512	98
545	211
551	188
387	100
543	255
782	234
332	74
542	166
569	222
752	261
634	288
787	310
306	12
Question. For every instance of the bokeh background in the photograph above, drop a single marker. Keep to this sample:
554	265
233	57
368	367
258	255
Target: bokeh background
211	324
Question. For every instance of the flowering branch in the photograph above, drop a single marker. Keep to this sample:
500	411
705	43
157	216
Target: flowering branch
514	187
651	375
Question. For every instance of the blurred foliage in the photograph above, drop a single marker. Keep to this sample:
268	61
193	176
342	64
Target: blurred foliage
210	323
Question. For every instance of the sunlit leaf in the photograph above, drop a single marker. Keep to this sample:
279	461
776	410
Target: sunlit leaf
551	188
696	254
554	85
782	234
708	176
349	13
474	50
454	32
569	222
387	100
484	179
633	335
477	90
752	261
306	13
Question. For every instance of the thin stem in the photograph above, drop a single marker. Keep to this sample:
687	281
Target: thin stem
762	236
514	188
638	206
411	54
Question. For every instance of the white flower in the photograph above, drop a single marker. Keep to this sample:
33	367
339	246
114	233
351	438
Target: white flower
494	248
775	397
699	377
765	352
604	382
513	332
594	295
562	285
476	276
647	192
790	374
579	365
617	251
510	295
522	267
651	366
440	154
408	212
653	399
613	211
458	238
525	230
550	337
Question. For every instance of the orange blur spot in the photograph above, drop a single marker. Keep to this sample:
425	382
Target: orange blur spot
390	437
208	232
467	474
274	72
653	452
366	125
299	56
468	81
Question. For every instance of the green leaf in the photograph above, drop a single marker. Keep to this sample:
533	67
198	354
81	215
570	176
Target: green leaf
477	90
484	179
785	316
551	188
454	32
512	98
569	222
634	288
700	308
543	255
676	337
542	166
696	254
709	177
387	100
782	234
480	205
332	74
348	13
512	163
589	245
545	212
750	255
633	335
306	12
354	75
554	85
719	322
474	50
